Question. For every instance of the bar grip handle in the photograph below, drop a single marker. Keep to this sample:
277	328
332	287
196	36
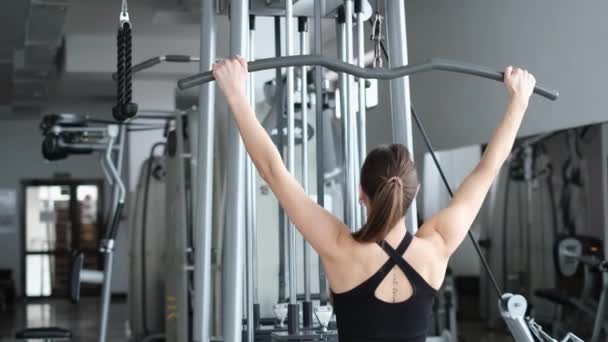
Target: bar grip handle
178	58
485	72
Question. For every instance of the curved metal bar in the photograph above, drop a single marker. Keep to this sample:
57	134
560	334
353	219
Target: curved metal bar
148	63
381	74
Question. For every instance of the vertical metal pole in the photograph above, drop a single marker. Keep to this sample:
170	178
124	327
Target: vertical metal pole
349	212
361	119
235	196
400	88
320	126
307	305
105	290
251	251
279	90
529	177
293	289
353	153
177	288
203	194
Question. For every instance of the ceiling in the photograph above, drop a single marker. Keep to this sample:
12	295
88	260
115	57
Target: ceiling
58	54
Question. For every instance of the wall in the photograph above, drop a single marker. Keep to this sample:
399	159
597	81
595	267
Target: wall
21	159
553	39
456	164
556	40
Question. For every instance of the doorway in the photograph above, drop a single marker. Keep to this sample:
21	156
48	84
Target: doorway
59	218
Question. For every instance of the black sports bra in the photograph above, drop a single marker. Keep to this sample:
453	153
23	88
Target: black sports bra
362	317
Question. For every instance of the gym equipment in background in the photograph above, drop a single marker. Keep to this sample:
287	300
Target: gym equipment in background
66	134
579	259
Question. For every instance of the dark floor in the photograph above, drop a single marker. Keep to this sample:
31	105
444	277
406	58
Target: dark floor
81	319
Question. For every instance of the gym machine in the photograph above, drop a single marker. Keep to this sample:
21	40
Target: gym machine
512	307
580	257
66	134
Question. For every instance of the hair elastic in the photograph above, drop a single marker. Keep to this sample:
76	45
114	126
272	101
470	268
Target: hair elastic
396	179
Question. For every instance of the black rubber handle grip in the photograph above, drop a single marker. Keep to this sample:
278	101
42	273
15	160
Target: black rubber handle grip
178	58
115	221
381	74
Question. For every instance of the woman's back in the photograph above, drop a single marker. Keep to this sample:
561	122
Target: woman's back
394	303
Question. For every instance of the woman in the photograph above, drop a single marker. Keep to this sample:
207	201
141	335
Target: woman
382	278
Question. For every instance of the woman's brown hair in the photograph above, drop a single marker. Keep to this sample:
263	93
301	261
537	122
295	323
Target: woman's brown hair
390	181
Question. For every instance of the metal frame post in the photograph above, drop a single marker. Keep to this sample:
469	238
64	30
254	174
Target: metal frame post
344	109
235	196
400	89
251	209
293	315
320	126
177	301
307	305
279	105
361	119
353	153
203	194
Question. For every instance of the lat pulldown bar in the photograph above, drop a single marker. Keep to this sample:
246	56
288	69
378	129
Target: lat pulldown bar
333	64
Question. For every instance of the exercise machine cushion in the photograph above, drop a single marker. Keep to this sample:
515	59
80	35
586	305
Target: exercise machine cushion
554	295
43	333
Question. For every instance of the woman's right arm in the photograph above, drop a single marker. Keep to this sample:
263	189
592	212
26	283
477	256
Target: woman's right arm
326	234
449	227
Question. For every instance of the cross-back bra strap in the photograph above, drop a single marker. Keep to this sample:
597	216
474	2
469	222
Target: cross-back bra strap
403	245
397	259
414	277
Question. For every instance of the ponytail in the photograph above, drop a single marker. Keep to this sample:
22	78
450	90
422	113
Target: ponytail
386	210
389	179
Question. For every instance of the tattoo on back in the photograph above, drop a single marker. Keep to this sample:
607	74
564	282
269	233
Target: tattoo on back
395	286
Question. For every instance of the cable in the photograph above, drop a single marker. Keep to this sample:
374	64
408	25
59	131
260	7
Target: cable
449	189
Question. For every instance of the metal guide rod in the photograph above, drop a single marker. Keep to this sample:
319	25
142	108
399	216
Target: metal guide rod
344	104
400	90
351	157
320	128
304	97
252	185
333	64
203	194
234	240
361	120
280	107
307	320
250	192
291	233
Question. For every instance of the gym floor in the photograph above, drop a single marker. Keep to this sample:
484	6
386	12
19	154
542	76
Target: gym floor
81	319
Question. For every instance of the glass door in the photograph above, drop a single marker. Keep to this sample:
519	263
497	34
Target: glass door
61	218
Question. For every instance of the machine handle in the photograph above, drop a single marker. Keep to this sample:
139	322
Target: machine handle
382	74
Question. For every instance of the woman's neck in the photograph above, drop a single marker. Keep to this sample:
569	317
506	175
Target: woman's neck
396	234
